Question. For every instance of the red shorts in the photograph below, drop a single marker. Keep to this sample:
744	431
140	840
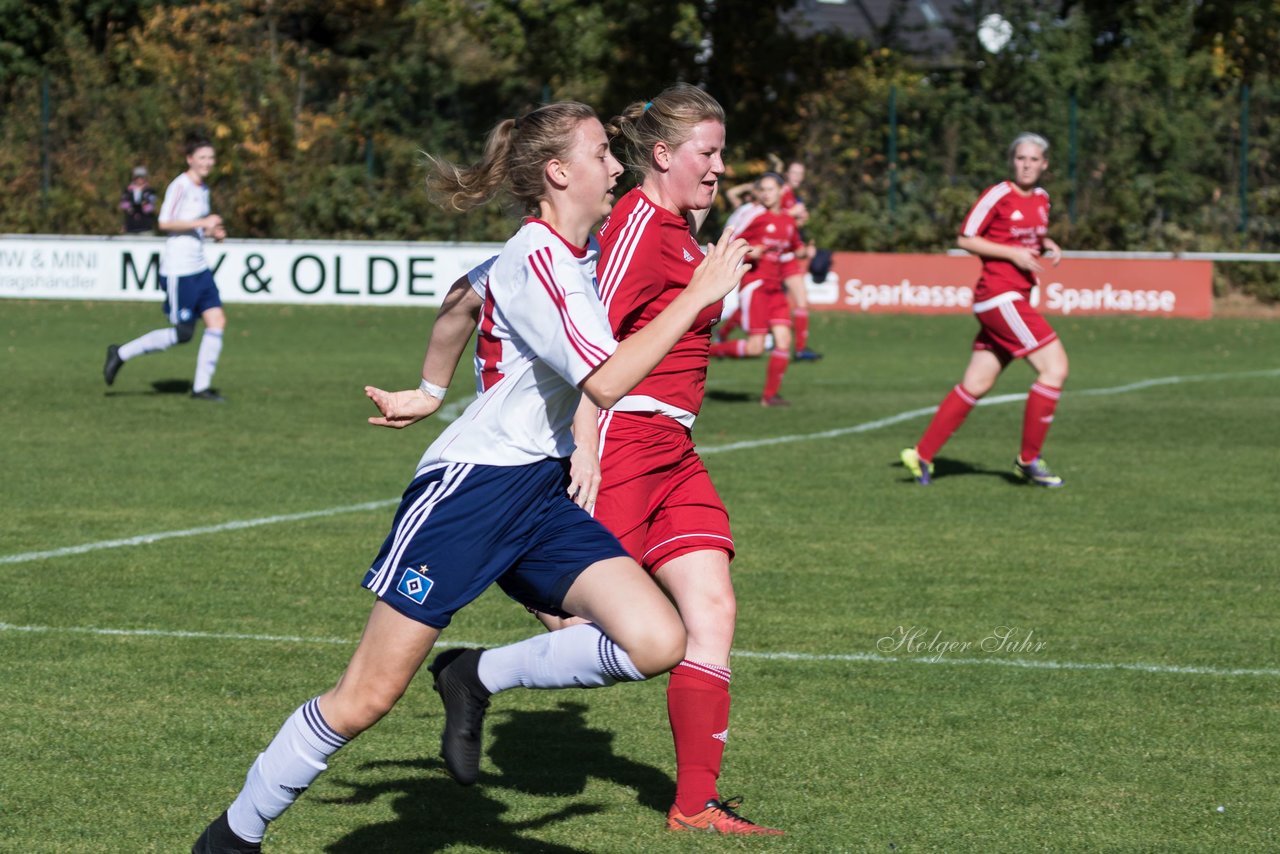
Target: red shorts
656	496
763	305
794	267
1011	328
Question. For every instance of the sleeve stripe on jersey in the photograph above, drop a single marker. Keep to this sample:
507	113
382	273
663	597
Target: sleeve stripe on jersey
625	246
983	207
488	348
541	264
169	210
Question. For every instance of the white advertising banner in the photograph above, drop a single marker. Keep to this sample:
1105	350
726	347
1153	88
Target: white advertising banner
247	271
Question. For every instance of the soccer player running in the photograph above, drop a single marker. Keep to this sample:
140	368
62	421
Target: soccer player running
794	268
190	291
504	460
775	240
654	492
1007	229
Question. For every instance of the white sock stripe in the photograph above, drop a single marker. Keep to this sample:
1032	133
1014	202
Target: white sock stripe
319	727
615	662
709	669
965	396
1046	391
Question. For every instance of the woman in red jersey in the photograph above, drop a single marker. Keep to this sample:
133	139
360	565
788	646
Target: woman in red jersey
487	502
794	270
1008	229
655	494
775	243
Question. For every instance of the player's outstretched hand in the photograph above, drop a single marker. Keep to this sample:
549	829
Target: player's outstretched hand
584	477
400	408
722	269
1025	259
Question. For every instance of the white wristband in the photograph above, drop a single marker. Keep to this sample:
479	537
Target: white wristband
436	391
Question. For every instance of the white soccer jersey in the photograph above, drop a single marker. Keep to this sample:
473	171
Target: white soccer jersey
478	276
542	331
184	250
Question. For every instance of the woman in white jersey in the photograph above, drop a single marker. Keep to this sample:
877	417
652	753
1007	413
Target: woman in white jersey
653	490
190	291
488	500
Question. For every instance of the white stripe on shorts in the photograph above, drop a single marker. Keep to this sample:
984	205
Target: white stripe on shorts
413	520
173	299
685	537
1009	311
745	295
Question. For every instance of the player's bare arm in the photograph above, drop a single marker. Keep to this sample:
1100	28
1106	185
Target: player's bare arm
211	222
584	462
1020	257
459	314
718	274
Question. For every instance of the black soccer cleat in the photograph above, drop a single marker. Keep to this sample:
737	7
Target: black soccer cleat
218	838
208	394
457	681
113	364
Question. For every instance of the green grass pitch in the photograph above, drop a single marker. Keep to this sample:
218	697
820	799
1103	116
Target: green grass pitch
138	682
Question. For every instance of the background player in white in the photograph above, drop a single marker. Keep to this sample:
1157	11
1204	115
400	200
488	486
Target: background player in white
1008	228
504	462
190	291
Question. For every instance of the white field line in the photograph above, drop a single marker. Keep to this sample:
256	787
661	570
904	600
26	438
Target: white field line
143	539
857	657
713	449
994	400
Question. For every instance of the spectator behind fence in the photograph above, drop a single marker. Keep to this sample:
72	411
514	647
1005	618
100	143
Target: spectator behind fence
138	202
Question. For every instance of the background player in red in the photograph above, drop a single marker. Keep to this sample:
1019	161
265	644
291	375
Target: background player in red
1007	229
794	269
774	240
655	494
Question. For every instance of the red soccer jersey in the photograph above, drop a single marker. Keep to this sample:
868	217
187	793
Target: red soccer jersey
778	234
789	199
1003	215
647	256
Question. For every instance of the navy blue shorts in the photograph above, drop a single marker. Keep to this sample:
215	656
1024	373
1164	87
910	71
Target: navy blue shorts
461	527
188	297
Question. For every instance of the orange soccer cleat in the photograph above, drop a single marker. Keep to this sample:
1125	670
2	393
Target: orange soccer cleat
718	817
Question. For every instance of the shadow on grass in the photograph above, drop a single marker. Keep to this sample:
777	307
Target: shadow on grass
157	387
947	467
546	754
731	396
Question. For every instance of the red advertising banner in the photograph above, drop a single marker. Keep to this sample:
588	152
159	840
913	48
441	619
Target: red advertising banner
943	284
